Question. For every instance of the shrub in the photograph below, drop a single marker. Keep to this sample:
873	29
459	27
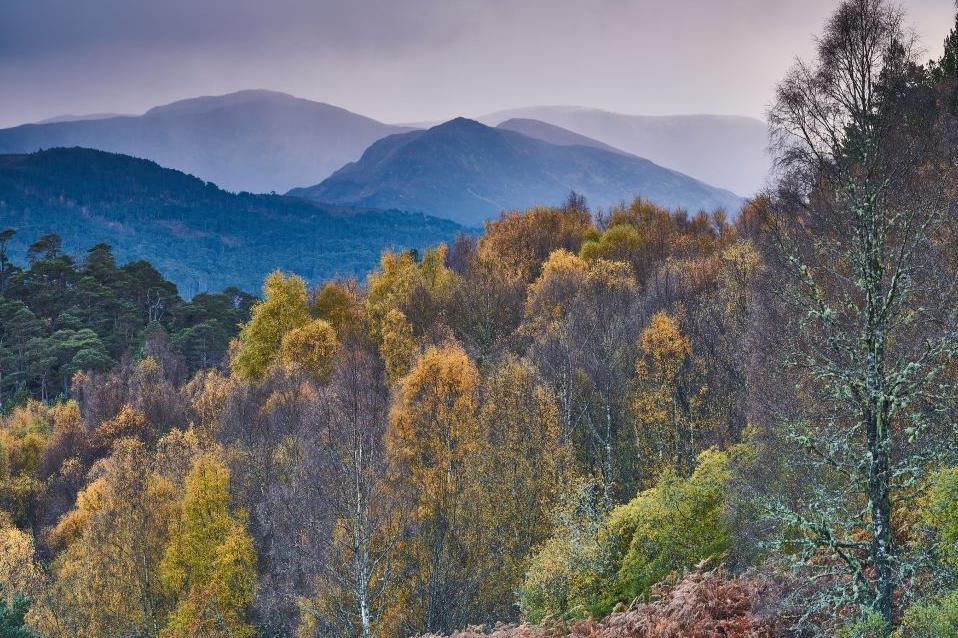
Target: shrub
592	564
869	625
932	618
670	527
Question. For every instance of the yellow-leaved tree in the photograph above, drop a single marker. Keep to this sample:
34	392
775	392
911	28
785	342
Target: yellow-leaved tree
106	580
432	433
313	347
666	399
19	572
416	288
397	345
210	561
520	468
285	306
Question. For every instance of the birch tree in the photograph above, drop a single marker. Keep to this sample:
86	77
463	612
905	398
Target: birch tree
867	300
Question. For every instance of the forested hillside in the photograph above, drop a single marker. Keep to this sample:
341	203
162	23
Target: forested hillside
630	423
200	237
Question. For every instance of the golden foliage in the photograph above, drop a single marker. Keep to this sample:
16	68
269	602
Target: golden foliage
519	242
283	308
106	580
397	345
313	347
663	405
337	303
210	561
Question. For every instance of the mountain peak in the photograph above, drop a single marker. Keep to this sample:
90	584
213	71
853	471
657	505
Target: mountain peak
253	140
468	172
205	103
460	124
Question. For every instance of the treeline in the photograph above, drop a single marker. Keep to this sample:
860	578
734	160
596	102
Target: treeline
556	419
59	317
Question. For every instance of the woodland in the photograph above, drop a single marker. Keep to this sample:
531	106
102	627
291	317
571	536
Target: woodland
631	422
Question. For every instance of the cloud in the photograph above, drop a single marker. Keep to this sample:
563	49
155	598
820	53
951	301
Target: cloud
411	59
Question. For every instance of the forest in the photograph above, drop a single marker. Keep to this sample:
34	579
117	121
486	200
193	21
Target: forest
606	423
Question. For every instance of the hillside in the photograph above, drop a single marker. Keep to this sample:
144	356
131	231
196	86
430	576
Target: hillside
468	172
200	237
256	141
728	151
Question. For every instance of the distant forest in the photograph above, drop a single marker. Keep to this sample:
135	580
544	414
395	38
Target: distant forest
59	318
200	237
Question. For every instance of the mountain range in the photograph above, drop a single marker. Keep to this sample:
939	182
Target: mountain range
725	150
263	141
257	141
468	172
199	236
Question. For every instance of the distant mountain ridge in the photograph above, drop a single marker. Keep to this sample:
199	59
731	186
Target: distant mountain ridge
200	237
729	151
468	172
257	141
553	134
70	117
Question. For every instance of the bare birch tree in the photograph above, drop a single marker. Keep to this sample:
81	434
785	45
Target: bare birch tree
863	198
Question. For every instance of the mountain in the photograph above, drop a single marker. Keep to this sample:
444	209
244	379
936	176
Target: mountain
553	134
69	117
200	237
256	141
725	150
468	172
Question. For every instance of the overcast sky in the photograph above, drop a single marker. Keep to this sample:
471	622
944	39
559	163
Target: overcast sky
413	60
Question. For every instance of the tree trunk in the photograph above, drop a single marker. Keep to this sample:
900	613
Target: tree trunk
879	496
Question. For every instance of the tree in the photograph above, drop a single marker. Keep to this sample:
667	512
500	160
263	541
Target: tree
337	303
397	345
598	559
665	401
20	574
312	346
431	435
357	576
284	307
210	560
670	527
106	580
868	299
583	323
522	466
414	288
12	618
46	248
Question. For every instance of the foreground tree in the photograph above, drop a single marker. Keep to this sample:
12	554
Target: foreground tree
866	298
106	581
432	433
345	452
522	468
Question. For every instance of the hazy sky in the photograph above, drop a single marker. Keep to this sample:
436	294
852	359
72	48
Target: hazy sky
412	60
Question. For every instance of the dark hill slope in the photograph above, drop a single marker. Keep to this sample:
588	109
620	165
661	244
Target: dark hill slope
200	237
